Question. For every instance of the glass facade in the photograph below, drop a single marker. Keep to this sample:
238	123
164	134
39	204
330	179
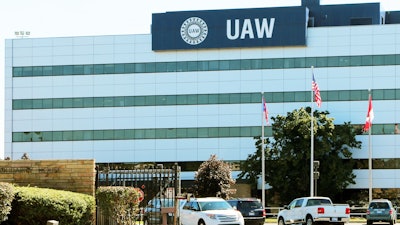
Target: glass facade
163	133
213	65
383	163
200	99
131	134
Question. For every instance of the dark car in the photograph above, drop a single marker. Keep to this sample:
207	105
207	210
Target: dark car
251	208
381	210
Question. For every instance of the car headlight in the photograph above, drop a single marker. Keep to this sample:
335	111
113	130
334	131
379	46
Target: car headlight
212	216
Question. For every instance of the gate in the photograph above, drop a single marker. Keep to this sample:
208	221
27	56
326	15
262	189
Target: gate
160	186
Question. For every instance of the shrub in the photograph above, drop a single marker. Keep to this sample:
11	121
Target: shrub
32	206
7	192
120	203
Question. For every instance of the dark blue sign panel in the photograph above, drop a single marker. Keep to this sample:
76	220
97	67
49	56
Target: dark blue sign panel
260	27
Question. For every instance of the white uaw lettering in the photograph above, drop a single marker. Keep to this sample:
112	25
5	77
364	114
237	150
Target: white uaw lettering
194	30
265	28
247	29
262	28
229	30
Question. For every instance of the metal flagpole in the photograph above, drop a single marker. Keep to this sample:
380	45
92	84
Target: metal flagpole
369	150
262	154
312	141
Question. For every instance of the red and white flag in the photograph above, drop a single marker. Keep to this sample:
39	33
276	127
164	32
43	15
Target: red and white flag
317	95
370	116
265	109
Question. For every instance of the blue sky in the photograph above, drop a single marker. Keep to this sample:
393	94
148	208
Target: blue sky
57	18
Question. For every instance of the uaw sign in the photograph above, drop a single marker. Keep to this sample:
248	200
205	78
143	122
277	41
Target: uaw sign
261	27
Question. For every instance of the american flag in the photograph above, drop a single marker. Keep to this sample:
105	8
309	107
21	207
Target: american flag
265	109
317	95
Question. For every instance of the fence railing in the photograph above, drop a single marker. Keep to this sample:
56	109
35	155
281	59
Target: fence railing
157	185
272	212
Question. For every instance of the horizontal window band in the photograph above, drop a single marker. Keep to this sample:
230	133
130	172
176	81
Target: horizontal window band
211	65
201	99
163	133
236	165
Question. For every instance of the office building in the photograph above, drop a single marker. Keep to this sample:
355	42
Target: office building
192	88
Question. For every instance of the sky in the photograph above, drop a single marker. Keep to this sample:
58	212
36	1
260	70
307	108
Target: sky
63	18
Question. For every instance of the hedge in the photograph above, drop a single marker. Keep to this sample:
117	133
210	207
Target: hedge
33	206
119	203
7	192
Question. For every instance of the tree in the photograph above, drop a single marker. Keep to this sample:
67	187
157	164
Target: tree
287	155
213	178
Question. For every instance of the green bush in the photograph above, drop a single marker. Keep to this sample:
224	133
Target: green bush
119	203
35	206
7	192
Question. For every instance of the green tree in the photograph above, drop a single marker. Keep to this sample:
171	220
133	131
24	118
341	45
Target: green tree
213	178
287	155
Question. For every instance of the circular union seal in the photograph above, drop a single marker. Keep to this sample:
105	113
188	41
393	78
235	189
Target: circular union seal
194	30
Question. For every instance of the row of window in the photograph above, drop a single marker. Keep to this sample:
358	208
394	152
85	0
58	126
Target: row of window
389	163
184	166
211	65
163	133
201	99
130	134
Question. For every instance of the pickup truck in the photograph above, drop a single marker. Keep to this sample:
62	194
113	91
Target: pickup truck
310	210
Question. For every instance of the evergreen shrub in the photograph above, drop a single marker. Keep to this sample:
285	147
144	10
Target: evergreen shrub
7	192
34	206
119	203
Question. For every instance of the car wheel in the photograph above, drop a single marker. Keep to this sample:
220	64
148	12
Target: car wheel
201	222
369	222
309	220
281	221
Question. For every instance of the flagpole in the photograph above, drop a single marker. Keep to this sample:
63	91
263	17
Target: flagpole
369	151
262	154
312	142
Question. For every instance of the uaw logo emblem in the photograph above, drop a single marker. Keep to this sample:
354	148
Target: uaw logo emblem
194	30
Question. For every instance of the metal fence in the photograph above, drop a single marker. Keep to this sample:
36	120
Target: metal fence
272	212
160	186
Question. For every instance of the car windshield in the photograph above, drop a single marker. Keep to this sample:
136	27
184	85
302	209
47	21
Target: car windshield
312	202
379	205
251	205
217	205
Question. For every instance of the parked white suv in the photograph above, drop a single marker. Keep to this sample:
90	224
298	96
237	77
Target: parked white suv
209	211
